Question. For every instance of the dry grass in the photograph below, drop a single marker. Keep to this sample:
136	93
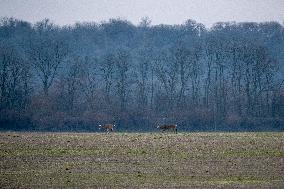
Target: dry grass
144	160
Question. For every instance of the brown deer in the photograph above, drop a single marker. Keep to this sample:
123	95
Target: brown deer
165	127
107	127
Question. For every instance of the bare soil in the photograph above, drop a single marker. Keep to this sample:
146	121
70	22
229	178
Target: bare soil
141	160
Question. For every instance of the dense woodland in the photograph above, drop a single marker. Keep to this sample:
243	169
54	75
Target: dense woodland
72	78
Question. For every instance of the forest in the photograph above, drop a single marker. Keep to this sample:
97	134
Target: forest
229	77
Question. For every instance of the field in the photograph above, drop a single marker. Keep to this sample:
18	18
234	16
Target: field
141	160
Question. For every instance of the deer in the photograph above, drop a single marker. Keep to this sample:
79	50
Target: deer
165	127
107	127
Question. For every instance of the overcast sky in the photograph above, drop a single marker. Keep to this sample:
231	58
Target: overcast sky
64	12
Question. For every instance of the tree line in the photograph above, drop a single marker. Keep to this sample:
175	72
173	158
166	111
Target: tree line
229	77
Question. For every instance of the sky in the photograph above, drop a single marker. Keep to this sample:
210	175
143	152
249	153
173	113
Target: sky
208	12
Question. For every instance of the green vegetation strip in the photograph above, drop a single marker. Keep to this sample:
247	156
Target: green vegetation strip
126	178
139	152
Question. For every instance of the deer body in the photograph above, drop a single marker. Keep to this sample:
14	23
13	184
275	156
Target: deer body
107	127
165	127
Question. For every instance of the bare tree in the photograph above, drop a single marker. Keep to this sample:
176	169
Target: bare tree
14	77
46	53
72	82
167	74
108	68
122	67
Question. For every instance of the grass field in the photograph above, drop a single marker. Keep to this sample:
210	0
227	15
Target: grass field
141	160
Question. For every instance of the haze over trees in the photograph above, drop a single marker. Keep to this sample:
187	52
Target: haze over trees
229	77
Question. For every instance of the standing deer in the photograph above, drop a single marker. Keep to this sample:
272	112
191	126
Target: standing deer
165	127
107	127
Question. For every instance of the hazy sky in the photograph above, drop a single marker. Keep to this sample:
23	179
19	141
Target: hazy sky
159	11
